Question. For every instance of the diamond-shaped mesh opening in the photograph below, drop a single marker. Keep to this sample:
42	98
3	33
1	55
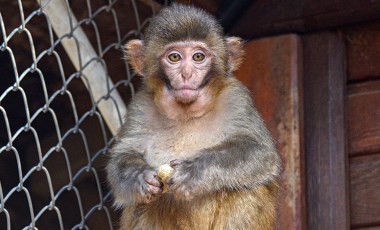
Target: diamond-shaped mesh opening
55	124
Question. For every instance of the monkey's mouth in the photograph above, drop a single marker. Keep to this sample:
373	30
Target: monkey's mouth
186	89
186	94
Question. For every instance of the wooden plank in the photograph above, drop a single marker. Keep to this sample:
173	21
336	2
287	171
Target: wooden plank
363	51
365	190
367	228
325	151
264	18
272	72
363	109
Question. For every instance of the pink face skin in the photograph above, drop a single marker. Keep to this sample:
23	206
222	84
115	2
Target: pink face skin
186	64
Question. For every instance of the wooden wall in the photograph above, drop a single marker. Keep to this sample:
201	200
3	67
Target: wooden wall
363	120
319	94
341	78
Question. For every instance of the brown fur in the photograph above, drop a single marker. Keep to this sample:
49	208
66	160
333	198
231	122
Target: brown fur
253	210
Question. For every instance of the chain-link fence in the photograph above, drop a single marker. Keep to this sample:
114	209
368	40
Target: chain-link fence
63	85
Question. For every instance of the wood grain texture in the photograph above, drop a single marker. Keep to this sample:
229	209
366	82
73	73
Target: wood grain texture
325	151
365	190
271	71
367	228
363	51
265	18
363	109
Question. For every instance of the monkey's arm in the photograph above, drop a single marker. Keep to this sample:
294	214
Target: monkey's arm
238	163
131	178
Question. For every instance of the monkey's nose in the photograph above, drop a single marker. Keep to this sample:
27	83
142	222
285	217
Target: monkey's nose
186	76
186	72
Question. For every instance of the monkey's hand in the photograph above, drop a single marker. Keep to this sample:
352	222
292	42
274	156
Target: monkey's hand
151	186
132	180
183	182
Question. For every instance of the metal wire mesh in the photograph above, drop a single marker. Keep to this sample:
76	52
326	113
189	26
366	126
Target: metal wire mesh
53	138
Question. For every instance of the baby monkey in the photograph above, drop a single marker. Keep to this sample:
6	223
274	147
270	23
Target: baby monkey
194	115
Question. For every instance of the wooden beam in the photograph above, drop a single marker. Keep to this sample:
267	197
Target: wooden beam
84	58
265	18
325	148
272	71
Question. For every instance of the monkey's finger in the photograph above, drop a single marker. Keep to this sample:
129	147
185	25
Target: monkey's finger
153	189
154	181
175	162
151	178
170	181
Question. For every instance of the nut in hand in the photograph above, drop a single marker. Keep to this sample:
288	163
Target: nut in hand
163	172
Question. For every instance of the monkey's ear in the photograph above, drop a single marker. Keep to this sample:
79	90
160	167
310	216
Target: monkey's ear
235	52
134	52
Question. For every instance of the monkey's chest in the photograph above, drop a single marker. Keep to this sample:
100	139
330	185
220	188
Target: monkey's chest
180	144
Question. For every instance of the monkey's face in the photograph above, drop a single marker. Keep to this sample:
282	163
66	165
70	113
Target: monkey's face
186	66
185	60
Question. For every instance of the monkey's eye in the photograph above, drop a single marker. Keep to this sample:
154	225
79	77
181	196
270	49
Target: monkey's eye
198	57
174	57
